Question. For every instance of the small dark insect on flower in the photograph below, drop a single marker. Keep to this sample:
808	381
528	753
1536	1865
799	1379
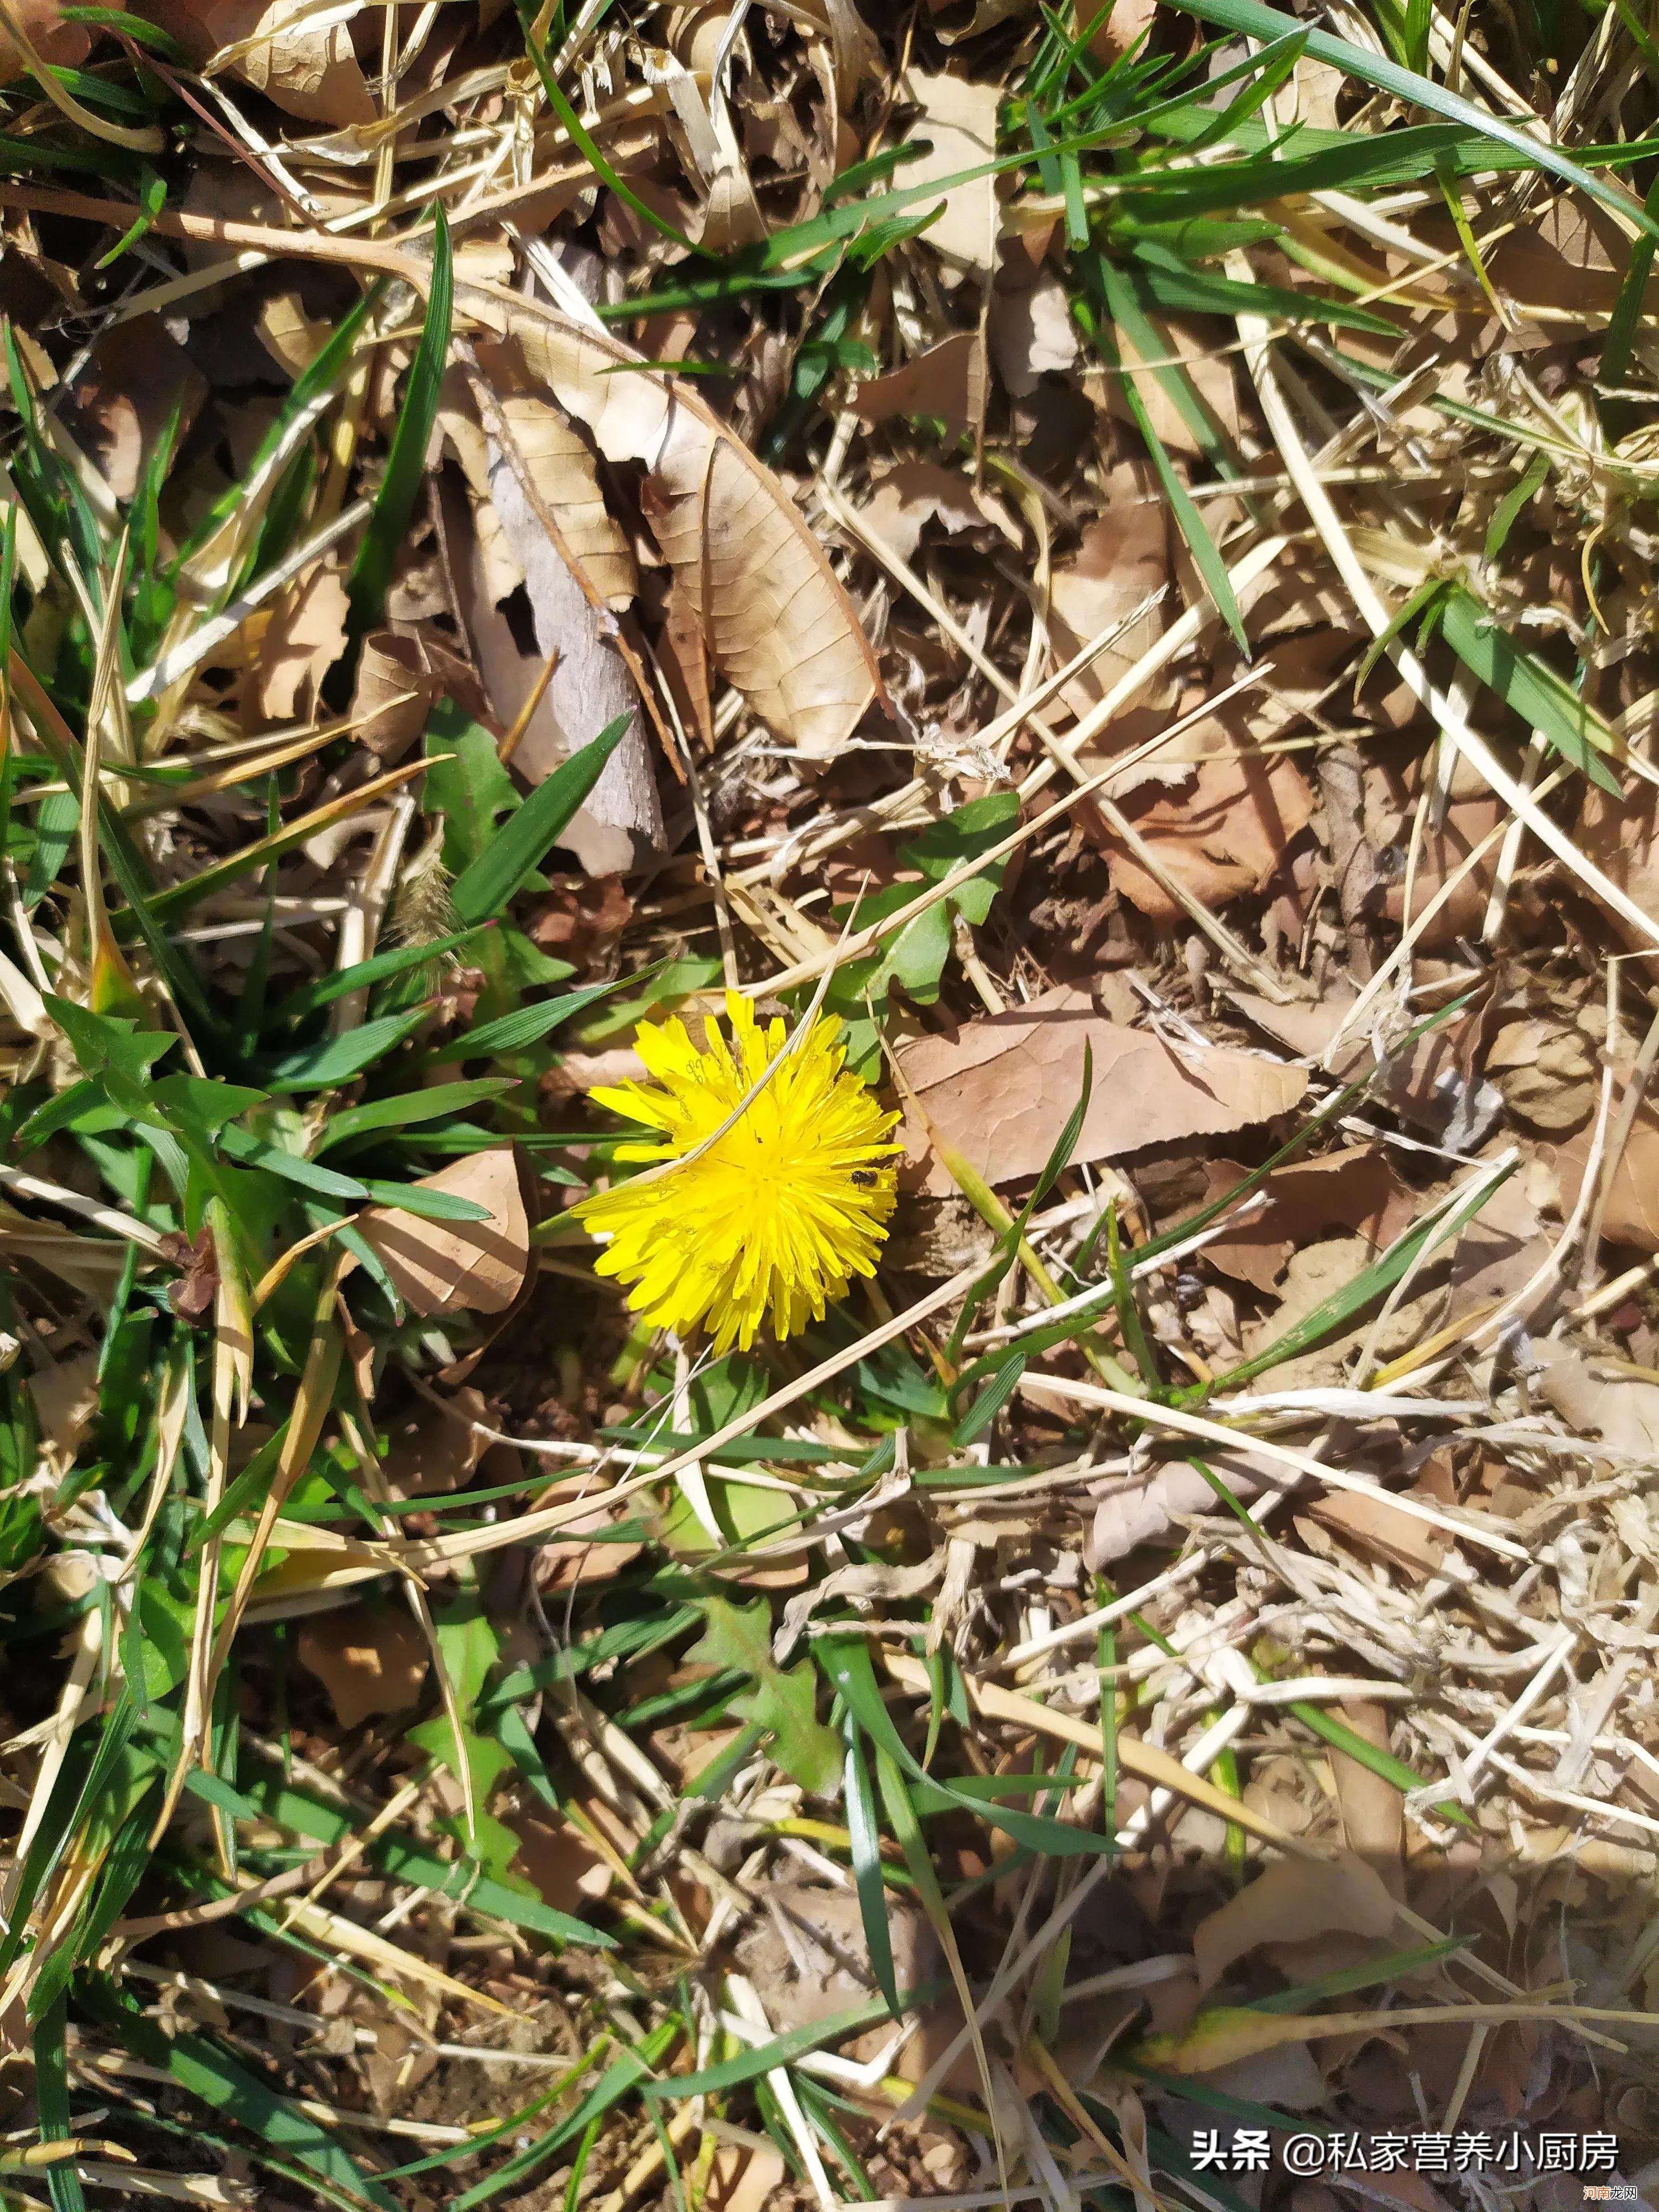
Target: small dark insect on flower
864	1178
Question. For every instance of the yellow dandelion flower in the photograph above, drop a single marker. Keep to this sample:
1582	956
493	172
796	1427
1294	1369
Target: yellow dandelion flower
776	1219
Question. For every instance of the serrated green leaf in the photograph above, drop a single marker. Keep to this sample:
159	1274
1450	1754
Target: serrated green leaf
784	1702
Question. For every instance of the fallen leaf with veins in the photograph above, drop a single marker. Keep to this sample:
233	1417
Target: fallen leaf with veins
1001	1088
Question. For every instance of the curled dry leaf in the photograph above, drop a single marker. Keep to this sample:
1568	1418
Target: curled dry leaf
1144	1508
1000	1090
591	684
370	1660
558	459
948	380
307	67
396	685
1293	1899
580	1552
448	1267
778	624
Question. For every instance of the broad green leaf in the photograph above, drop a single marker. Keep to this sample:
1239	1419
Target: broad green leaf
470	790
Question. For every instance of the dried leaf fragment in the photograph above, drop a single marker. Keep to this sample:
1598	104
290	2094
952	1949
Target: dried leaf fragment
306	636
948	380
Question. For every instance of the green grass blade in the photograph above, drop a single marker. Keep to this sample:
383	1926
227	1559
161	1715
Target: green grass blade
1251	19
1530	686
410	1108
484	887
526	1025
406	467
864	1831
322	990
199	2067
337	1060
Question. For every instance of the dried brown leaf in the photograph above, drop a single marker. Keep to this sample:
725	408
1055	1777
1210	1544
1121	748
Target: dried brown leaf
307	68
1380	1530
135	384
1548	1072
779	625
1223	836
1597	1398
305	637
52	38
369	1659
1194	348
1029	328
912	494
1123	559
65	1395
948	380
561	1864
1357	1190
1127	22
1144	1508
1631	1215
1622	836
591	684
395	687
444	1267
958	124
1000	1090
1292	1900
1444	846
1373	1810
